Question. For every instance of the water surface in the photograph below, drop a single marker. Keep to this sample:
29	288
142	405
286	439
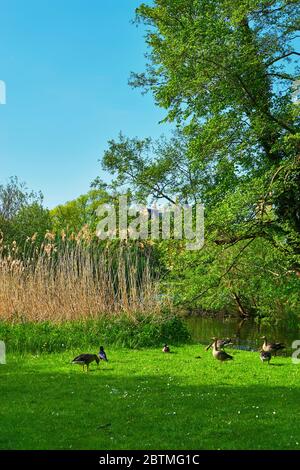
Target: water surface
245	334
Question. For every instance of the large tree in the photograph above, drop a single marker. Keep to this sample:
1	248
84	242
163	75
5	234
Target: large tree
21	212
225	71
14	195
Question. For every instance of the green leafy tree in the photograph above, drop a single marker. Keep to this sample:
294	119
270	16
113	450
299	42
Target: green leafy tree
32	220
14	195
225	71
21	211
161	169
72	216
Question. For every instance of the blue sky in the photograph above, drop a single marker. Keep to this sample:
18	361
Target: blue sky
66	66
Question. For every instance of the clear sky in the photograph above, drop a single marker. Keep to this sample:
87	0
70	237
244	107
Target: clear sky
66	65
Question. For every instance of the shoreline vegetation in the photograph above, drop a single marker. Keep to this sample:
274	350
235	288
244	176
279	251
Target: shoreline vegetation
63	292
70	292
54	268
64	279
118	331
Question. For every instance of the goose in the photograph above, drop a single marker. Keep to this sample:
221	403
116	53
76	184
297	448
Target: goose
220	354
102	355
166	349
271	347
85	360
221	343
265	356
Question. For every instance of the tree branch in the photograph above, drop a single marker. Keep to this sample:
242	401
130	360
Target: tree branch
282	76
224	274
284	56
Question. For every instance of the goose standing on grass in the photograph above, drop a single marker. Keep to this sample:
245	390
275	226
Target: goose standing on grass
219	353
221	343
102	354
85	360
166	349
265	356
271	347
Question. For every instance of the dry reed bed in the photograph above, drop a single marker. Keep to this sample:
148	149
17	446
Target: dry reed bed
70	280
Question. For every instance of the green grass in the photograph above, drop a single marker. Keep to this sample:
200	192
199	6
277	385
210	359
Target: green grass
144	399
120	331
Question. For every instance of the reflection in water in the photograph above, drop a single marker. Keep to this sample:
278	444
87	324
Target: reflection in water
245	334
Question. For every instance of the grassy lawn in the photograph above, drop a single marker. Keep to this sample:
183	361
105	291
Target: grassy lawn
144	399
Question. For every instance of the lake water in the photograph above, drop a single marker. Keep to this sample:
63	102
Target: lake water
245	334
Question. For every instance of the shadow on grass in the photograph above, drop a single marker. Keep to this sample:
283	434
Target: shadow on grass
100	410
277	365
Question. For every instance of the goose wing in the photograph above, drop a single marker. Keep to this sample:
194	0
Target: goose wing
81	359
225	356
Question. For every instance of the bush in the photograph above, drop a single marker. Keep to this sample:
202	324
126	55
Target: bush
141	331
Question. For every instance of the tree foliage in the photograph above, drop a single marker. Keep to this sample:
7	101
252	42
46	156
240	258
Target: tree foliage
22	214
225	72
15	195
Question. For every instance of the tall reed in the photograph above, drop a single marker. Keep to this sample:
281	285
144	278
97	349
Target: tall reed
72	278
